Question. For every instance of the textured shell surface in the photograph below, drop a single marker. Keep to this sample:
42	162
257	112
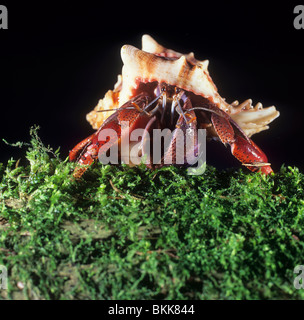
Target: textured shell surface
157	63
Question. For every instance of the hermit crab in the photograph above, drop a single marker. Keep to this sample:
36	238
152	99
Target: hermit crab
163	89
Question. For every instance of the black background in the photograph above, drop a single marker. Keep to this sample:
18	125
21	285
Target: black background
57	60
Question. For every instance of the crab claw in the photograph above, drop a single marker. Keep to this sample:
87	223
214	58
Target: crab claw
242	148
250	155
86	152
76	151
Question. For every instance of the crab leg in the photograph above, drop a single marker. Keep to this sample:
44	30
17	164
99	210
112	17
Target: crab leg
77	150
178	152
242	148
86	152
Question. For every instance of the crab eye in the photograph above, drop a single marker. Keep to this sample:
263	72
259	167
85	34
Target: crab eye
177	90
163	89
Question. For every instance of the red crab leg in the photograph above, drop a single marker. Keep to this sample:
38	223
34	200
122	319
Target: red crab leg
242	148
75	152
186	121
86	152
145	142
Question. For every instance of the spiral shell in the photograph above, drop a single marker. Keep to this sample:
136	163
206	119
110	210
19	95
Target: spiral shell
156	63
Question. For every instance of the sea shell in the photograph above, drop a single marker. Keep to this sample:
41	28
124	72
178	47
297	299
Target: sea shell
156	63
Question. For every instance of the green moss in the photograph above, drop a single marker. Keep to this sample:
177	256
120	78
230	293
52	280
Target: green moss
130	233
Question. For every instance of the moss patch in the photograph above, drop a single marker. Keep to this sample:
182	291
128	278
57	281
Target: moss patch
130	233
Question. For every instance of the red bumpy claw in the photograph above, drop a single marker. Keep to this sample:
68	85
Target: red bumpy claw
242	148
86	152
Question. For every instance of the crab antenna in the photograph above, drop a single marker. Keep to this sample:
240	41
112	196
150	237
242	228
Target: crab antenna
153	111
205	109
105	110
157	98
181	110
115	109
